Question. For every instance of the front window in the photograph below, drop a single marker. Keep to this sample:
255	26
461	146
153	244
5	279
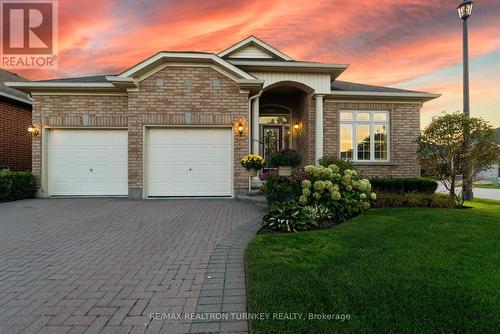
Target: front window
364	135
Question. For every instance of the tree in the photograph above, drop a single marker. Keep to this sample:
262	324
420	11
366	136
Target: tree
441	145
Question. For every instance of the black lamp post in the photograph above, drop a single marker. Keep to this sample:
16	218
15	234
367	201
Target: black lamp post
464	12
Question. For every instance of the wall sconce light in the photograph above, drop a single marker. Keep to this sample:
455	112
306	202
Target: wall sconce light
33	130
241	129
297	127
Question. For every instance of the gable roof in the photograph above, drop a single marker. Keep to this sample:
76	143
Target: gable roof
93	78
253	48
11	93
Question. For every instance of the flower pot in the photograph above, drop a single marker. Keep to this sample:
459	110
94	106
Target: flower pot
285	170
252	172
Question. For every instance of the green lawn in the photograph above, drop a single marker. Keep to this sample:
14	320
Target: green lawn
487	186
391	270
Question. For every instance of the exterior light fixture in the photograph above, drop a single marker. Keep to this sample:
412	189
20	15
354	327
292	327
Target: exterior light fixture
465	9
241	128
33	130
297	127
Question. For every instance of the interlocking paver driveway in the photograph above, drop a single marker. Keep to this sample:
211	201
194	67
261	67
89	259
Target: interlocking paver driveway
104	265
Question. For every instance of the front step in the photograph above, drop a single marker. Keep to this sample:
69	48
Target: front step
253	196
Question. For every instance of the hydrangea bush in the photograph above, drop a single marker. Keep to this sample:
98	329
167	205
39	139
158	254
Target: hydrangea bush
345	193
327	193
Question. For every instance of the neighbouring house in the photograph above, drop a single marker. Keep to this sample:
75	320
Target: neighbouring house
494	170
178	123
15	118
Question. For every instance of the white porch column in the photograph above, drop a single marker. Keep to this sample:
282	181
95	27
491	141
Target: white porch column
319	129
255	127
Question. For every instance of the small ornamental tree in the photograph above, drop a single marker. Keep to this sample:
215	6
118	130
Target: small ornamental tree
448	157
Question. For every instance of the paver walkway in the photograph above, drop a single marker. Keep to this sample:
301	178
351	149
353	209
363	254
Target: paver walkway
107	265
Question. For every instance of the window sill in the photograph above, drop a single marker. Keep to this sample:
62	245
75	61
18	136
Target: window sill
374	163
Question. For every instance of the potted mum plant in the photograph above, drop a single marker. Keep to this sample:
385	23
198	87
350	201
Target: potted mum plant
285	160
252	163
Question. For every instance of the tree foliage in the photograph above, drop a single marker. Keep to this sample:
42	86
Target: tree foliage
443	147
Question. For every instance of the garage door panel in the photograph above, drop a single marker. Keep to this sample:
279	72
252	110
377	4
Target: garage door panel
88	162
189	162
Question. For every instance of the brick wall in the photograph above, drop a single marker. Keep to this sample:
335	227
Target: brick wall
162	99
404	130
75	111
15	142
211	99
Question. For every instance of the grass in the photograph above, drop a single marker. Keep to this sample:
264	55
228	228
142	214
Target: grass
392	270
487	186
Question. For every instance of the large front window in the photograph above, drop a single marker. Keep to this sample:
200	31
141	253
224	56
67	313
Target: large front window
364	135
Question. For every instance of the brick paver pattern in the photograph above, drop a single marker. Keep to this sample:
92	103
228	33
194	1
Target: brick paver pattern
104	265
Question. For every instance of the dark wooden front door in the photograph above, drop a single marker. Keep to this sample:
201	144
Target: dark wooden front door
273	139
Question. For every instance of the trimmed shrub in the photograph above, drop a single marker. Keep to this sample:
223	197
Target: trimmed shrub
404	185
342	164
281	188
16	185
391	200
286	157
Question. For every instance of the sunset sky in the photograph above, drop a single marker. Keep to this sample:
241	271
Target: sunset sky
410	44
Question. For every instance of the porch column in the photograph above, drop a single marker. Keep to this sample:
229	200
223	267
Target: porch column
319	129
255	126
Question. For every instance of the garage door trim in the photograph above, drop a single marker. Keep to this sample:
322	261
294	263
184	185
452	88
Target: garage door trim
46	135
145	155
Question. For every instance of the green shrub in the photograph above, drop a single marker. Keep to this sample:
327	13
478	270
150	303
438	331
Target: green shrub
289	217
342	164
281	188
404	185
391	200
16	185
286	157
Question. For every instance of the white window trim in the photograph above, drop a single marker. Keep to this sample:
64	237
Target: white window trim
372	122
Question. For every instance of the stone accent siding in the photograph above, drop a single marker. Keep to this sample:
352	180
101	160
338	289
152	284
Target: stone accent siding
169	97
404	130
15	142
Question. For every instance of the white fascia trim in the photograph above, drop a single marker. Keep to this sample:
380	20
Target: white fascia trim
253	39
187	56
425	96
292	64
119	79
16	98
122	82
21	85
251	82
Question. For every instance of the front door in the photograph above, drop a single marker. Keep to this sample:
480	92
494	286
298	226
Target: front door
273	139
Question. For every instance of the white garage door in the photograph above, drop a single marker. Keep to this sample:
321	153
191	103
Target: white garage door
88	162
189	162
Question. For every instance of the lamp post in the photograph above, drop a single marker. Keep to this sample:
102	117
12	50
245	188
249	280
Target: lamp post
464	12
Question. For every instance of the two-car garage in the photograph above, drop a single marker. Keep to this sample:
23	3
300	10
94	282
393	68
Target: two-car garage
177	162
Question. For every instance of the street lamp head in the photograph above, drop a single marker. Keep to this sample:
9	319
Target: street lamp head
465	9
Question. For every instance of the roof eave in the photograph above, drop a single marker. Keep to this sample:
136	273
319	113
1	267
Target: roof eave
29	87
293	66
157	59
16	98
421	97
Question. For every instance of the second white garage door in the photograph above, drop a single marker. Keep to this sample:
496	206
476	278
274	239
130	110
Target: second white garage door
189	162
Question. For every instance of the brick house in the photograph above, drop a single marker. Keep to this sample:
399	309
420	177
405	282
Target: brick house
177	123
15	118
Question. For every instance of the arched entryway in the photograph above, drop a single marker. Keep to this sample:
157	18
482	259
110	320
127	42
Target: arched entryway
284	121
